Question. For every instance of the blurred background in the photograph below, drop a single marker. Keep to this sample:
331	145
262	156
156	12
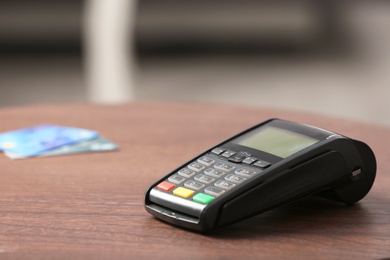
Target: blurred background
320	56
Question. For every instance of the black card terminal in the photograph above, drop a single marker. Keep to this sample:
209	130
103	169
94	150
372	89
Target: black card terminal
266	166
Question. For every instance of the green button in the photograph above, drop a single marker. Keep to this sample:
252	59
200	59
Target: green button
203	198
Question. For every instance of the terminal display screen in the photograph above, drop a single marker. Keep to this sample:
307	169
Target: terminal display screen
276	141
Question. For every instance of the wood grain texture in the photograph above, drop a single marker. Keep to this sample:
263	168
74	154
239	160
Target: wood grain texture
91	205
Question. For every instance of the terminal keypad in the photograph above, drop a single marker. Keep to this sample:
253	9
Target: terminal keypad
213	175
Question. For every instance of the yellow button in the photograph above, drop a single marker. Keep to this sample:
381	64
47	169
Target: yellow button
183	192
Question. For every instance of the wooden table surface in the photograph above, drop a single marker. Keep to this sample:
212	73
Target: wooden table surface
91	205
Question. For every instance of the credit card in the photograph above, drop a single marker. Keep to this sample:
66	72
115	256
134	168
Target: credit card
100	144
35	140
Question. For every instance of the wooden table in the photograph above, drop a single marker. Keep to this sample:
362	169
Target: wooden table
91	205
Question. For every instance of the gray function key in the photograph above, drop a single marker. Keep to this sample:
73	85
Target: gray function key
261	164
214	191
224	184
228	153
235	179
244	172
237	158
224	167
214	173
204	178
186	173
196	167
218	151
176	179
206	160
193	185
249	160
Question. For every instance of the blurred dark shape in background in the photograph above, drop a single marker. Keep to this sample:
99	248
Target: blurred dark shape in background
317	56
184	27
40	27
239	27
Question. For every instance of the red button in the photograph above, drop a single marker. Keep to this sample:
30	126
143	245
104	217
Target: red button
165	186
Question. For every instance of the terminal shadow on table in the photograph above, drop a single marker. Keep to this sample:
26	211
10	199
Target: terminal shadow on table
311	215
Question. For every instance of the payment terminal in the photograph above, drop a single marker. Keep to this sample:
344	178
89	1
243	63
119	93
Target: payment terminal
266	166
